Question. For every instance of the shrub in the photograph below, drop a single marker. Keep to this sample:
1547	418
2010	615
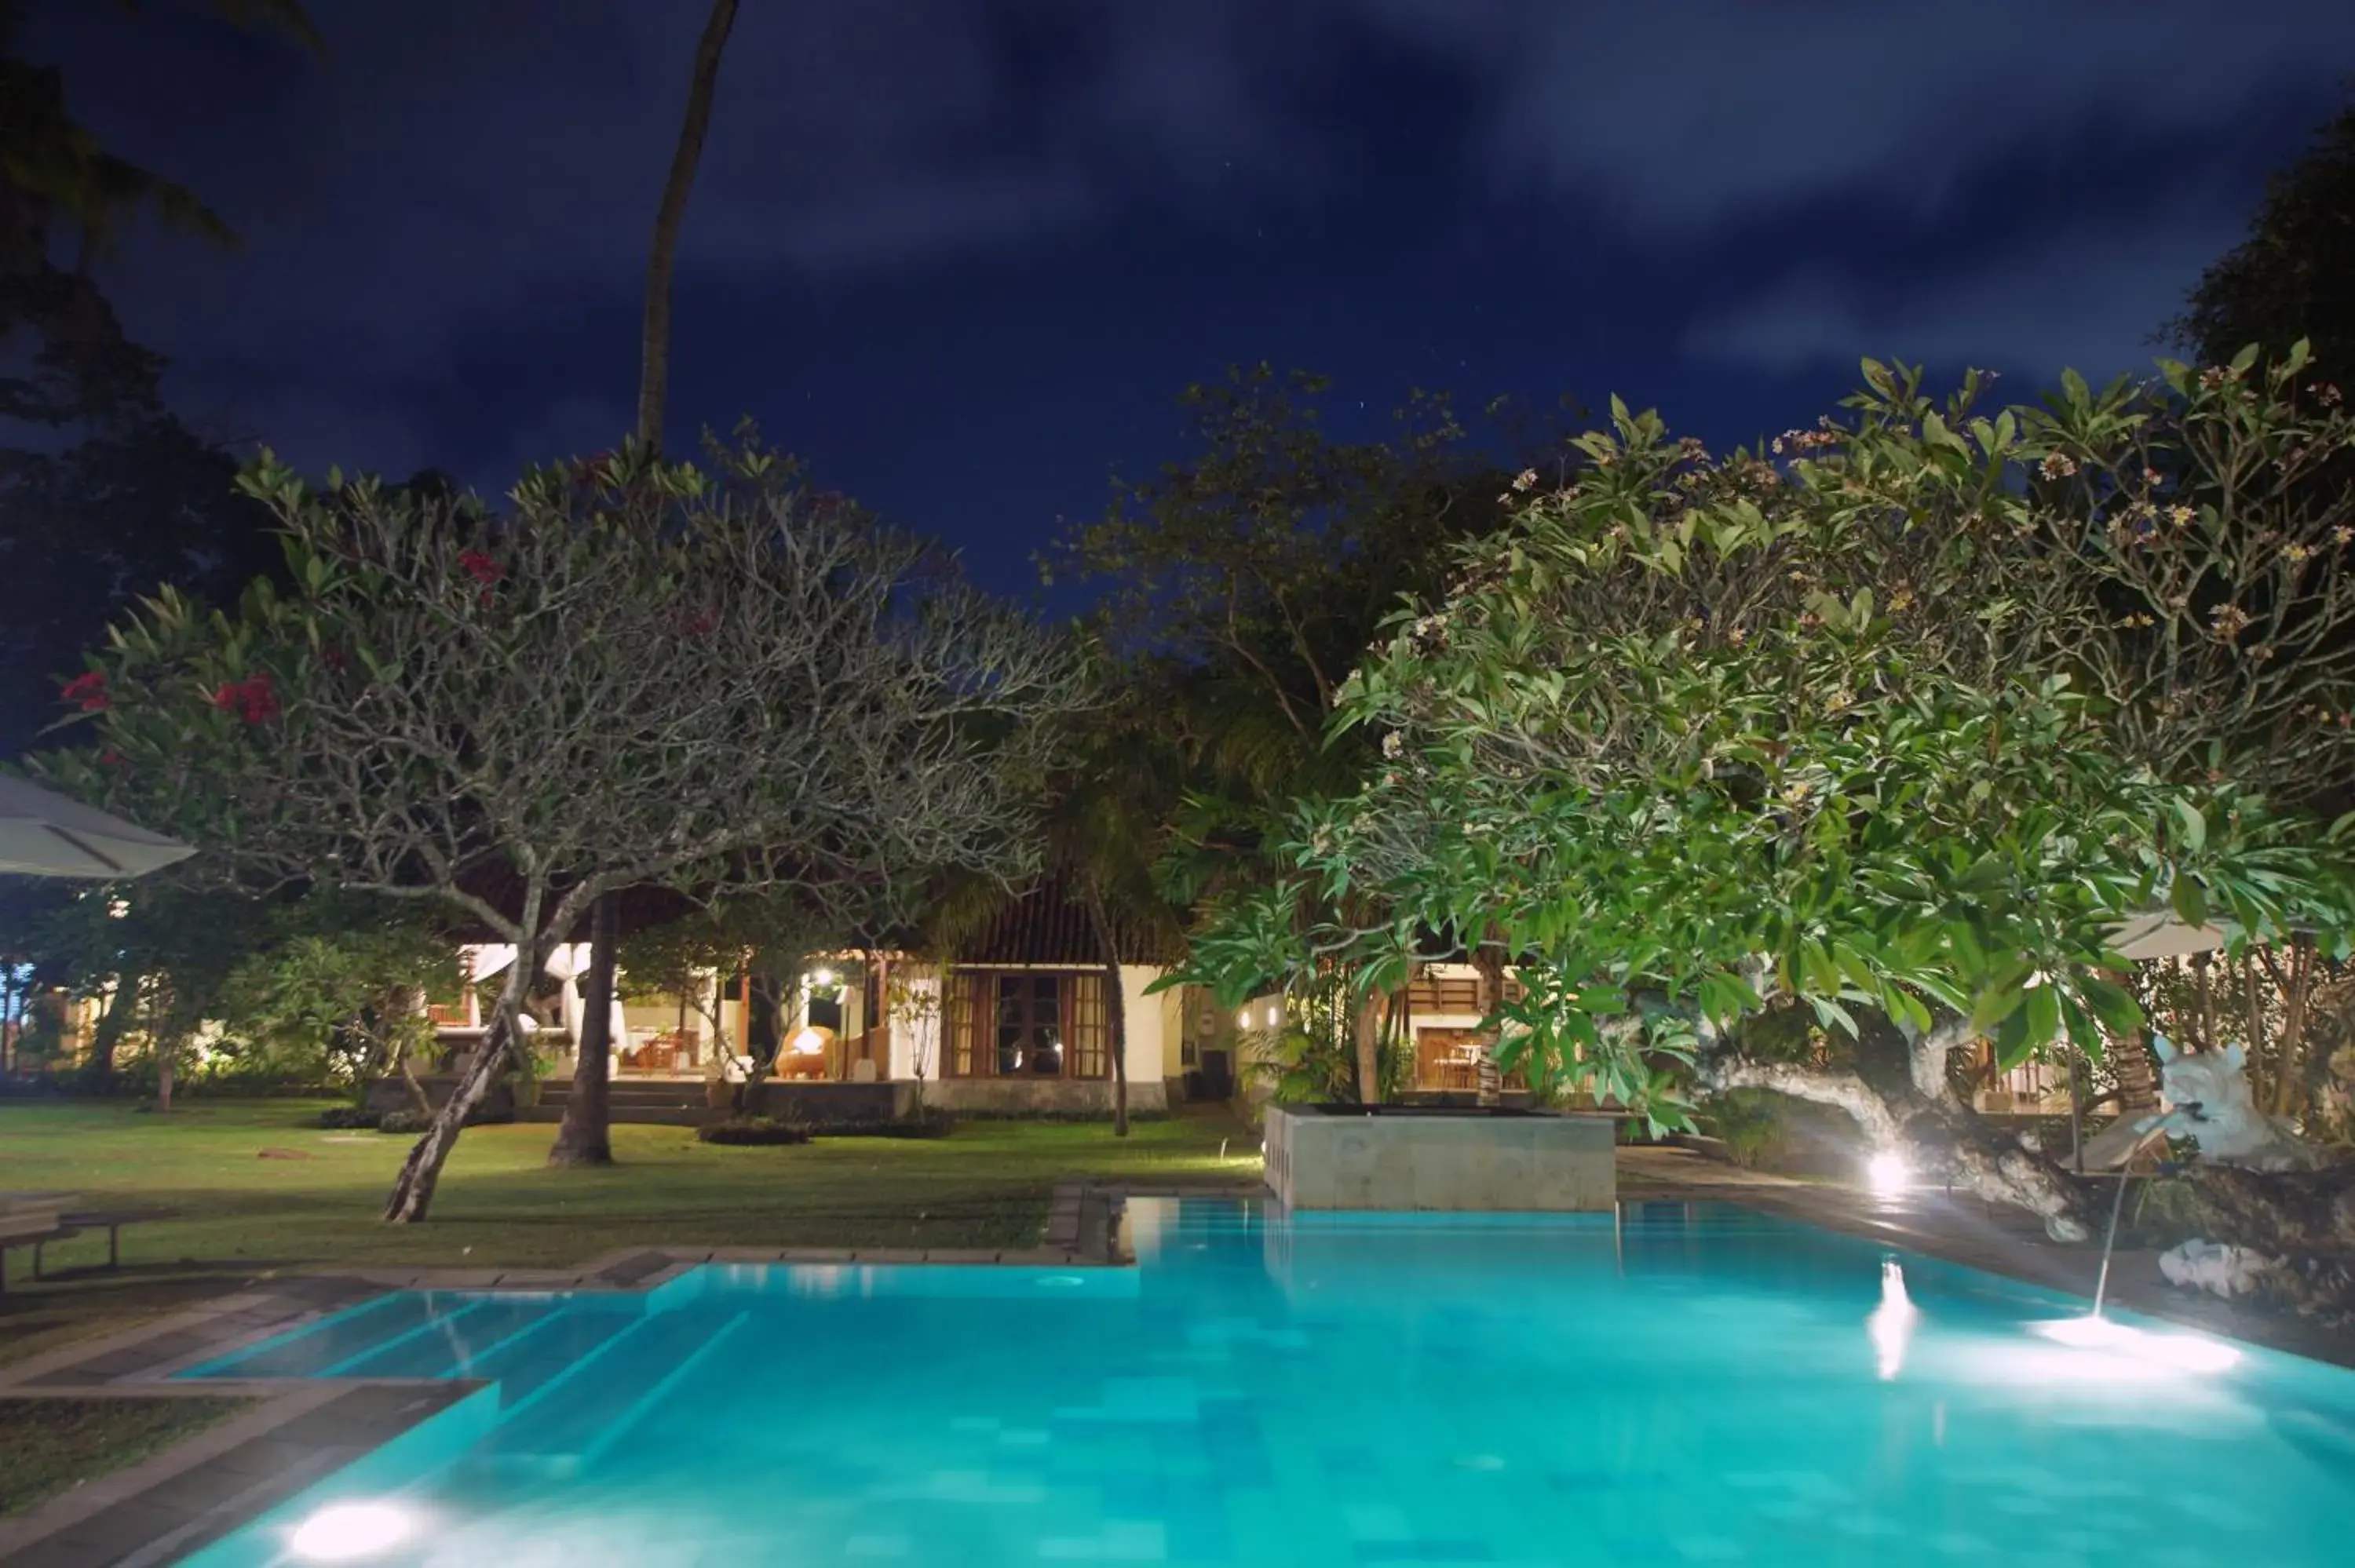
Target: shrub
923	1124
410	1119
752	1129
1744	1121
345	1117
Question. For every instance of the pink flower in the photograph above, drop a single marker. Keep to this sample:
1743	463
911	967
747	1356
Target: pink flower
252	699
89	689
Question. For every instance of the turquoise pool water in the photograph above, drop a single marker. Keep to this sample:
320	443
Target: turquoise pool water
1693	1385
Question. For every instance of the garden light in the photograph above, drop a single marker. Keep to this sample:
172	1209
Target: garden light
1888	1173
345	1532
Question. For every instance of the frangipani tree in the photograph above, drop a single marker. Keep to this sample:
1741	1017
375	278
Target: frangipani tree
637	673
1891	724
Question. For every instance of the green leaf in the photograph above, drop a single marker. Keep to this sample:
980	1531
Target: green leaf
1996	1004
2190	904
2111	1002
2043	1012
2195	825
2012	1045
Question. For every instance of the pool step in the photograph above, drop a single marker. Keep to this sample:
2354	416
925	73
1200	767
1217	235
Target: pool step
453	1343
579	1413
313	1348
532	1361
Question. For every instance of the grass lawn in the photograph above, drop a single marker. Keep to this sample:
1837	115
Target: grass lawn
242	1212
49	1444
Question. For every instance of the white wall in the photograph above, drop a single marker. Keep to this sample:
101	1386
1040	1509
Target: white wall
1150	1052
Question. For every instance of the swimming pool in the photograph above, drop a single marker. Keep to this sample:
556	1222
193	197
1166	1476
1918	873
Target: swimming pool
1693	1383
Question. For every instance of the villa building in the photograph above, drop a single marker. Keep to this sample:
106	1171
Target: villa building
1016	1021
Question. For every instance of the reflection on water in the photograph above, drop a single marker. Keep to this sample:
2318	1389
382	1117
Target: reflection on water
1682	1383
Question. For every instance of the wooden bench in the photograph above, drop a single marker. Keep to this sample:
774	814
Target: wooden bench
75	1223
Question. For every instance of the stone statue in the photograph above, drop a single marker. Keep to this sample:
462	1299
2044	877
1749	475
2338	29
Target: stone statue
2227	1271
2208	1101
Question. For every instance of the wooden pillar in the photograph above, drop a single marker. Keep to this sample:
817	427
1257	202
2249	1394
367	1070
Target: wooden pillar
744	1012
878	1016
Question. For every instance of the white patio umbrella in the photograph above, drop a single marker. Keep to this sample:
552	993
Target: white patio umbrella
2162	934
43	835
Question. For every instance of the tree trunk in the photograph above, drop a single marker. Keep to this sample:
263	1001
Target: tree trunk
1115	1012
1489	960
112	1022
412	1191
766	1037
585	1137
1993	1165
654	374
164	1052
418	1098
2296	988
1370	1049
2137	1080
2203	1003
401	1002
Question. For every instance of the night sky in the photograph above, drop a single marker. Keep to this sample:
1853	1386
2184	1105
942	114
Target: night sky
962	254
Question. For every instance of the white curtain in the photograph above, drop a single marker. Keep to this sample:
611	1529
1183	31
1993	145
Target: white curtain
567	961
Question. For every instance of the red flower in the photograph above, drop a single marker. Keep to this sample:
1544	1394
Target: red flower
110	757
699	624
252	699
480	566
87	689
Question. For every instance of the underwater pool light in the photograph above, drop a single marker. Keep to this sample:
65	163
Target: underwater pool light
2183	1353
345	1532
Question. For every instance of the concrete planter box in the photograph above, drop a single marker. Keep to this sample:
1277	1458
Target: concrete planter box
1405	1157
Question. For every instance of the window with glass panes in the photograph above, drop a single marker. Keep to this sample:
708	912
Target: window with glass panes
1006	1023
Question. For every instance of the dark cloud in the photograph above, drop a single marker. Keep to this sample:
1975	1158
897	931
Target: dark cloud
2089	296
1688	117
445	223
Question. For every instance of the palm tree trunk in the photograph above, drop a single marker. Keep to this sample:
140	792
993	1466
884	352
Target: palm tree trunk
654	375
584	1138
1115	1010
